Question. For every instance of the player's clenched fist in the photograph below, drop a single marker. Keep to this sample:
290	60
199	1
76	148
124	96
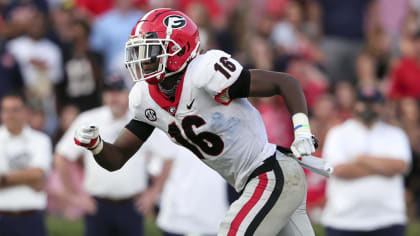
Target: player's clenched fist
304	143
88	136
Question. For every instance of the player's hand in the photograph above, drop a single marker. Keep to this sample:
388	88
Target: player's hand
88	136
303	145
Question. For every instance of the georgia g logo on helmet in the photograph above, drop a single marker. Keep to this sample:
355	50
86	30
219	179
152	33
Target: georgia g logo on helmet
177	22
161	44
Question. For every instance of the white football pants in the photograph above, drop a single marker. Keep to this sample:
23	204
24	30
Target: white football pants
273	203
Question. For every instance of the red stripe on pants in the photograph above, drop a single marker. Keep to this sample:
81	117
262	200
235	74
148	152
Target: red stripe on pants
259	190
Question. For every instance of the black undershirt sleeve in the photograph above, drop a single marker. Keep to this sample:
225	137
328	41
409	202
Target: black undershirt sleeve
140	129
240	89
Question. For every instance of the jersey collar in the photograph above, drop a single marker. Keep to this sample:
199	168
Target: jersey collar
163	100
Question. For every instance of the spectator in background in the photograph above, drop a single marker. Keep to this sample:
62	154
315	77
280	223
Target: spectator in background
41	63
39	58
111	197
82	71
405	77
25	160
110	30
370	158
285	33
343	26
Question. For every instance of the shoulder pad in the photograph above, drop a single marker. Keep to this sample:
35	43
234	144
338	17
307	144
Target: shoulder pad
135	96
202	70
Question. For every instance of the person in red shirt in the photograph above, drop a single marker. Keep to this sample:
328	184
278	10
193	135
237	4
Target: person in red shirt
405	78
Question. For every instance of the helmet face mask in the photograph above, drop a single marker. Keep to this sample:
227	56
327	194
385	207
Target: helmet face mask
161	44
146	58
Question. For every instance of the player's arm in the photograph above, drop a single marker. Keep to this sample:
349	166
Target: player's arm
263	83
269	83
112	156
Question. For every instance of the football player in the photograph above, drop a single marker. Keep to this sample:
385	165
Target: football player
200	101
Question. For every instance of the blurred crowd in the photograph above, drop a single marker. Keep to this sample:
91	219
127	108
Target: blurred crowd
60	53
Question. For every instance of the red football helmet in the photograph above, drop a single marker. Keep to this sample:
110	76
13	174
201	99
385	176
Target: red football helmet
161	44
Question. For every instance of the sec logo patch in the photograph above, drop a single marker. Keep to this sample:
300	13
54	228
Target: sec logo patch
150	114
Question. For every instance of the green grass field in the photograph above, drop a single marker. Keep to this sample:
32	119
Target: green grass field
61	227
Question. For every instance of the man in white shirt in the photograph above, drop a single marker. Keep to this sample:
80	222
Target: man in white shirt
115	201
366	194
25	160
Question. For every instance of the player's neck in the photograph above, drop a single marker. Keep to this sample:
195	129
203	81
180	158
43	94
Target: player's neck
169	85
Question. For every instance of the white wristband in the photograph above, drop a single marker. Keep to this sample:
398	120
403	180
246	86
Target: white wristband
301	123
98	147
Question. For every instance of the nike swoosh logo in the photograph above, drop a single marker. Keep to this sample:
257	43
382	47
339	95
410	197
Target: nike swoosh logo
190	105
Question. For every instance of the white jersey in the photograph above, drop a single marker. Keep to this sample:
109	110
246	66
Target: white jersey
30	149
228	136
